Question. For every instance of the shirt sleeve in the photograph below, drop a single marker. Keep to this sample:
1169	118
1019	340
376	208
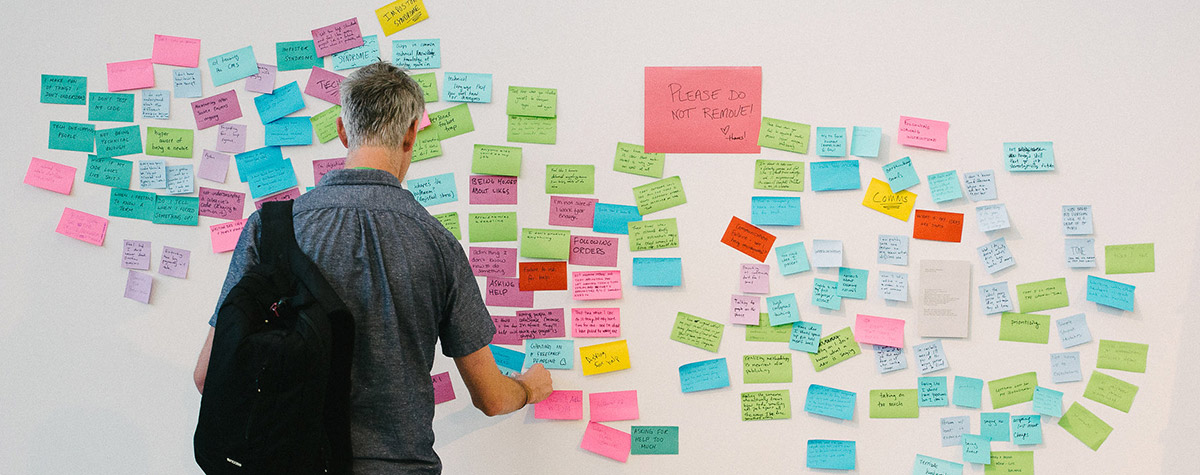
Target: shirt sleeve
245	256
466	326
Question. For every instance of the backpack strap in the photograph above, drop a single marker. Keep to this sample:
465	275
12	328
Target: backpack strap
278	233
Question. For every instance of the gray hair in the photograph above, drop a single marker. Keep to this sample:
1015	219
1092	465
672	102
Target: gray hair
379	104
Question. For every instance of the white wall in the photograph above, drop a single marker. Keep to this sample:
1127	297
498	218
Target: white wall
95	383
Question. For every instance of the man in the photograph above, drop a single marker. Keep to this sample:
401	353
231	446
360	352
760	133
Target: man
404	277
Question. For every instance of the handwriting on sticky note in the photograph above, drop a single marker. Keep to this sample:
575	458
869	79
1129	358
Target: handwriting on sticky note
222	204
704	375
879	330
491	227
922	133
593	251
894	403
655	440
830	402
506	292
467	87
543	275
938	226
1121	355
596	285
135	255
401	14
831	454
1012	390
1110	391
570	179
127	75
697	332
1023	327
880	197
766	405
633	159
613	406
50	176
493	261
545	243
324	85
748	239
82	226
553	354
1085	426
541	323
1129	258
770	368
224	236
1042	295
653	234
784	135
560	405
443	389
612	443
778	175
604	357
703	109
831	141
337	37
216	110
573	212
659	195
835	175
595	322
1029	156
835	348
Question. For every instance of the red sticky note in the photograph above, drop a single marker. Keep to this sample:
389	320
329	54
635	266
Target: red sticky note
596	322
748	239
321	167
337	37
573	212
290	194
507	330
85	227
543	275
938	226
923	133
560	405
443	389
604	440
879	331
505	292
703	110
216	110
613	406
126	75
51	176
596	285
176	51
593	251
324	85
223	204
493	190
541	323
225	235
493	261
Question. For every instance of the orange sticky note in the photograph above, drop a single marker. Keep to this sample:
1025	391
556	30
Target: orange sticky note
938	226
748	238
880	198
543	276
923	133
604	358
703	109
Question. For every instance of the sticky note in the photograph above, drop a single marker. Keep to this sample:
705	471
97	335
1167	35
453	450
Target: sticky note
1026	430
263	82
50	176
138	286
127	75
186	82
944	186
778	175
231	138
783	135
767	333
560	405
165	142
228	67
337	37
835	348
532	101
893	403
1081	253
272	179
119	141
104	106
806	337
1042	295
180	179
596	285
901	175
570	179
221	204
976	449
593	251
358	56
702	109
180	210
775	211
595	322
417	54
1012	390
892	249
633	159
493	190
657	271
992	217
831	454
835	175
428	83
981	185
932	391
926	465
443	389
783	309
953	428
289	131
604	357
297	55
792	258
755	278
825	295
889	359
1064	367
613	218
1127	258
509	361
156	104
747	238
1022	327
938	226
573	212
893	286
879	330
831	142
427	146
830	402
994	426
995	298
653	234
135	255
543	275
1010	462
216	110
1085	426
827	253
176	51
224	236
852	283
1029	156
541	323
112	172
1110	391
324	124
525	129
448	221
545	243
1122	356
968	392
654	440
769	368
931	357
923	133
697	332
72	136
603	440
879	197
1077	220
123	203
553	354
174	262
864	141
659	195
434	190
704	375
255	160
766	405
1047	401
491	227
64	89
401	14
467	87
744	309
1110	293
493	261
324	85
506	292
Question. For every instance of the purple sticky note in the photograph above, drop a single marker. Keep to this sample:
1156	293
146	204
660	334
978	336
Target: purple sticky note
324	85
506	292
507	330
213	166
337	37
744	309
136	255
290	194
443	390
542	323
755	278
321	167
138	285
493	261
264	81
570	211
231	138
216	110
593	251
174	262
222	204
493	190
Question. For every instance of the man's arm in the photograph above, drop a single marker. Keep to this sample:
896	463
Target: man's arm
494	393
202	363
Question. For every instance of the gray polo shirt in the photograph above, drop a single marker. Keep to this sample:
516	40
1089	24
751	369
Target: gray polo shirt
408	283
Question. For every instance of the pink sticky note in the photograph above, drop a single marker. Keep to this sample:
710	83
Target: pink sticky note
324	85
136	255
443	389
321	167
223	204
570	211
174	262
216	110
596	285
604	440
541	323
507	330
51	176
560	405
290	194
264	81
213	166
613	406
879	331
593	251
703	109
596	322
756	279
923	133
225	235
493	190
138	286
337	37
424	122
126	75
744	309
493	261
506	292
85	227
231	138
176	51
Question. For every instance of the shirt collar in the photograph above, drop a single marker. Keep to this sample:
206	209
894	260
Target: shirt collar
358	176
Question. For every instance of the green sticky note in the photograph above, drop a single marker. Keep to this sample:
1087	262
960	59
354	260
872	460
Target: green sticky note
1025	327
654	440
1122	356
428	145
783	135
835	348
72	136
64	89
492	227
164	142
325	123
894	404
1110	391
1042	295
532	101
633	159
778	175
765	332
183	210
653	234
110	107
1085	426
766	405
546	243
452	121
525	129
697	332
1013	389
570	179
659	195
428	83
496	160
1015	462
112	172
772	368
293	55
1129	258
450	221
123	203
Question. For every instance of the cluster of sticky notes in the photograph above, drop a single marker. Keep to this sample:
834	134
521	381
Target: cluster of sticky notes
532	114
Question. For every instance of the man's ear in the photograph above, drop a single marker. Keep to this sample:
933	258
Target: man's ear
410	137
342	133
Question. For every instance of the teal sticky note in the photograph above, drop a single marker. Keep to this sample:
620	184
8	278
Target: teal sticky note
1047	401
467	87
806	337
1029	156
434	190
289	131
994	426
825	294
110	107
553	354
830	402
285	100
783	309
792	258
614	219
704	375
294	55
932	391
775	211
654	440
358	56
657	271
835	175
976	449
417	54
250	161
187	82
272	179
124	203
926	465
119	141
1110	293
852	283
1027	430
182	210
831	454
901	175
944	186
64	89
864	141
831	141
509	361
968	392
112	172
72	136
231	66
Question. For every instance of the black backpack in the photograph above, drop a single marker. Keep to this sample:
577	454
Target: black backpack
277	393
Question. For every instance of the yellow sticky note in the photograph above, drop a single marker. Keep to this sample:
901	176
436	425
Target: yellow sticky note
604	358
401	14
880	198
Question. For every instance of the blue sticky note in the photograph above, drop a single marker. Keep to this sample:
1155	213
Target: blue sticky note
825	294
467	87
187	82
123	203
981	185
72	136
932	391
1110	293
614	219
180	179
944	186
64	89
1064	368
783	309
434	190
901	175
994	426
953	428
830	402
250	161
996	256
506	359
968	392
1047	401
852	283
704	375
864	141
793	258
1027	430
289	131
806	337
892	249
831	454
1029	156
285	100
119	141
976	449
417	54
112	172
1073	330
294	55
835	175
926	465
775	211
180	210
1080	252
995	298
152	174
272	179
231	66
553	354
110	107
893	286
358	56
156	104
831	141
657	271
931	357
889	359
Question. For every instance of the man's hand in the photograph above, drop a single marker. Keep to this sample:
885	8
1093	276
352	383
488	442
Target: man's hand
538	383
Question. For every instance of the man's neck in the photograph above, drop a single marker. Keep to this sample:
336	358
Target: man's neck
375	157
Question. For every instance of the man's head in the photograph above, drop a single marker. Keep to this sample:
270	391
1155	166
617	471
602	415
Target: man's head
380	108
